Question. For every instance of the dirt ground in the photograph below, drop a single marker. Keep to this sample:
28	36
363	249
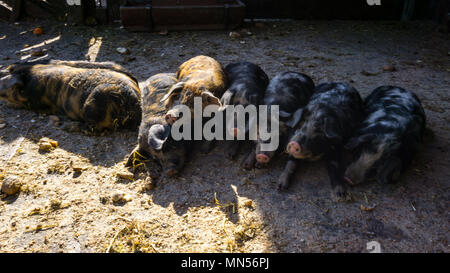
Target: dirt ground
215	206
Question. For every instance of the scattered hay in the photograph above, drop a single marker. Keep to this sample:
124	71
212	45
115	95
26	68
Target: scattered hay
224	206
131	238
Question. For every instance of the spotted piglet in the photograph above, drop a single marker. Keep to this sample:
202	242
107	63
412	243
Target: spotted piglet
290	91
329	119
387	139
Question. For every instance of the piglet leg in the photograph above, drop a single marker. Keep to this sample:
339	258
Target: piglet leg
232	148
250	160
336	174
288	172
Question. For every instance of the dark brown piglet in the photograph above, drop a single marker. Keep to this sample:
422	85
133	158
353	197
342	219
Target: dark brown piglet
154	132
103	95
201	76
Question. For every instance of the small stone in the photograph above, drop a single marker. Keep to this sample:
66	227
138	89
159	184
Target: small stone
127	198
46	144
117	197
234	35
38	52
120	197
123	50
2	125
78	169
55	204
38	31
104	199
248	203
125	175
45	147
54	119
10	185
389	68
164	32
149	185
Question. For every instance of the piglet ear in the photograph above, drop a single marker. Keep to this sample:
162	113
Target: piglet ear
295	118
157	135
176	88
208	98
226	98
332	129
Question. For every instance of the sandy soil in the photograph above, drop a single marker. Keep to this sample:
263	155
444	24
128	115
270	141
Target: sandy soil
60	210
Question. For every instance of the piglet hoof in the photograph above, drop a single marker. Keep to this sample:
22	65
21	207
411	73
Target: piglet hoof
283	184
248	164
340	194
282	187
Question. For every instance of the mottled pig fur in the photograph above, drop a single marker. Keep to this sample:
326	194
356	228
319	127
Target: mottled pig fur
154	138
247	85
103	95
291	91
200	76
389	136
330	118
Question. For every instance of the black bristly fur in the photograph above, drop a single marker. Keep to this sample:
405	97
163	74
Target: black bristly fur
291	91
388	137
248	83
329	119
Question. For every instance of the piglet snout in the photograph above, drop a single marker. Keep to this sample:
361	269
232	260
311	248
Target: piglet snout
348	180
234	132
293	148
262	158
171	119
